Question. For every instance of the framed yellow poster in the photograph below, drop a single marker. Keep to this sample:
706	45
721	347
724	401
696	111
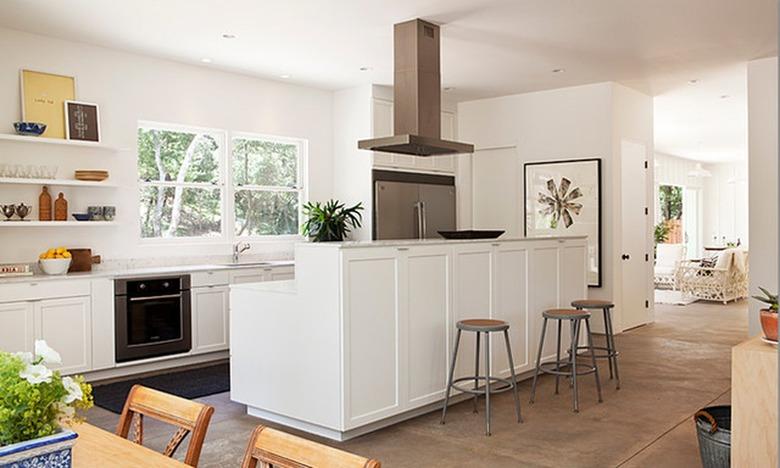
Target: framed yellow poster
43	100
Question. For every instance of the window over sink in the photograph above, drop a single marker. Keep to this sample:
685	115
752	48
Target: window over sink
210	184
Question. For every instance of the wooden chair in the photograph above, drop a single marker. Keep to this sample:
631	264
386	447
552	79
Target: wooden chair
278	449
188	416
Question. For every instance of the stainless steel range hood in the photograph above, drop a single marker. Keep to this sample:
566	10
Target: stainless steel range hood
417	96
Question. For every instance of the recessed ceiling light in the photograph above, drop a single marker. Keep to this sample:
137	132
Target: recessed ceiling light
693	82
558	70
449	88
724	96
365	69
205	60
285	76
228	36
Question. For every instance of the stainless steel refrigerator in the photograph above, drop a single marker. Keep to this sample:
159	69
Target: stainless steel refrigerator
412	206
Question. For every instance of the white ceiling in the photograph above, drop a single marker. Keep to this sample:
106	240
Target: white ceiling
489	47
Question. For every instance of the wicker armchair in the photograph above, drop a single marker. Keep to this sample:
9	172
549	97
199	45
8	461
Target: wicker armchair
726	281
668	258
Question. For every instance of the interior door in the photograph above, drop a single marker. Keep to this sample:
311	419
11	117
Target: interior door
634	236
438	205
396	210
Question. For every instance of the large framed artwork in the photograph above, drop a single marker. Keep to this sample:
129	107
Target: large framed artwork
43	99
563	198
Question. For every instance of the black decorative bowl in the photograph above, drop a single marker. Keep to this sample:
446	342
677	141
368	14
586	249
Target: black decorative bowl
30	128
471	234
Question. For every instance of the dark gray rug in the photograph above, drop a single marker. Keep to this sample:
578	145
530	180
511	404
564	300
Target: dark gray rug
189	384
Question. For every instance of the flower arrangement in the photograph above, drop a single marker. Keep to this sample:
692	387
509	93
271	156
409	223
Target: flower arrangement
34	400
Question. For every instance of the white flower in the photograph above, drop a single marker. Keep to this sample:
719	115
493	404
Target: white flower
26	358
73	389
49	356
36	373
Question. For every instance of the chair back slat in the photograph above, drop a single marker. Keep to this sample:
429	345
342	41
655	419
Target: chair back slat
281	450
189	417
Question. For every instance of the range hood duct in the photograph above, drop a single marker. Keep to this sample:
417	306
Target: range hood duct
416	95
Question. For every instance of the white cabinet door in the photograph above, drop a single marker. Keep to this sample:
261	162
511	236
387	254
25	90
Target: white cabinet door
511	306
281	273
210	315
66	325
371	324
425	289
16	327
383	126
472	296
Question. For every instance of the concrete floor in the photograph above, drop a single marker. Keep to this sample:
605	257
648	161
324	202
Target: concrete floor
669	370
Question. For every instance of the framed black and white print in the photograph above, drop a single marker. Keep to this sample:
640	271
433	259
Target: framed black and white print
82	121
563	198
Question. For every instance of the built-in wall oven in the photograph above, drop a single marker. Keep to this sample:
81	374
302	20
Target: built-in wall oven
152	317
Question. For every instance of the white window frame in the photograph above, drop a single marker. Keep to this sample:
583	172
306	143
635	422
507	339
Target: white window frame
301	186
221	185
225	185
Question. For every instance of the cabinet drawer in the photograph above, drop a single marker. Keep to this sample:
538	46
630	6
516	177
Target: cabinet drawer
33	290
249	275
209	278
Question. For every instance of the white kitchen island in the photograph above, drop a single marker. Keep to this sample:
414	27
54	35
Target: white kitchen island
362	337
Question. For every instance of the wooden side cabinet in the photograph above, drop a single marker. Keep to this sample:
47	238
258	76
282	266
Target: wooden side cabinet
754	404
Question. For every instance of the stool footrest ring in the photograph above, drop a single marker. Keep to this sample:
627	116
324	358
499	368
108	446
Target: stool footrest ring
605	355
507	385
549	368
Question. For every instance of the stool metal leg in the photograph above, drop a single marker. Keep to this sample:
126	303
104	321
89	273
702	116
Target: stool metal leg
452	373
613	351
476	372
593	358
538	359
558	357
575	334
512	373
487	383
608	338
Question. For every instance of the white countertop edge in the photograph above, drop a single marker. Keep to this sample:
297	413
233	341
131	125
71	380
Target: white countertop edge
142	272
411	242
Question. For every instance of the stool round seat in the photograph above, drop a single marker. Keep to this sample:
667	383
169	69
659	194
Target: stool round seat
565	314
482	325
592	304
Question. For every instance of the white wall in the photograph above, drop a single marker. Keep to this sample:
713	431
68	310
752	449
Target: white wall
569	123
763	179
129	88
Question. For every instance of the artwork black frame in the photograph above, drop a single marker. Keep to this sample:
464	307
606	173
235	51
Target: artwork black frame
600	255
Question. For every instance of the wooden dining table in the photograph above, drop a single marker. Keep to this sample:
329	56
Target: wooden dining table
99	448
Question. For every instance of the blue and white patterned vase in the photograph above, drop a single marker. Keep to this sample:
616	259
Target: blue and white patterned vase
53	451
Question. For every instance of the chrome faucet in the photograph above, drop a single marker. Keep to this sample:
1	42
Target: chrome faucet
238	249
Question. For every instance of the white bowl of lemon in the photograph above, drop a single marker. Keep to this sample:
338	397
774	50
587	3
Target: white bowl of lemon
55	261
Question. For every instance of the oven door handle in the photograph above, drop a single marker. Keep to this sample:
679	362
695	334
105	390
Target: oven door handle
152	298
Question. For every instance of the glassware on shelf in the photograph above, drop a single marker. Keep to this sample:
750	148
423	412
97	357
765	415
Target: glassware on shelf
49	171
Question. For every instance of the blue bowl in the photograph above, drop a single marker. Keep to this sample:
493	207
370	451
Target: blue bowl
82	216
30	128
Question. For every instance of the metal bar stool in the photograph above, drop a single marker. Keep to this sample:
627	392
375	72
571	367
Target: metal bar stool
556	368
609	351
485	326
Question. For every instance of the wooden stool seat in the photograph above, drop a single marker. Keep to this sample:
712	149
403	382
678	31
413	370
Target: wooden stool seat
482	325
565	314
592	304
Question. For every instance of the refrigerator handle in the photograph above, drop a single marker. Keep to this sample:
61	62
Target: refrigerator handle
418	206
424	217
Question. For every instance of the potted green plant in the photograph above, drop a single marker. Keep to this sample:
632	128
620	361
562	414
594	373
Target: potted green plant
768	316
36	406
331	221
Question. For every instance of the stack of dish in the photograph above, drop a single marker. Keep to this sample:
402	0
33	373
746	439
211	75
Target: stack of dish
92	175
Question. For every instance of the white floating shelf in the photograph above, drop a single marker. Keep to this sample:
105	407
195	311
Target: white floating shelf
56	141
27	224
56	182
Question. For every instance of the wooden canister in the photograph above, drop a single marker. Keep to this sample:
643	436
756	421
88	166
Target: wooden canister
82	260
44	205
60	208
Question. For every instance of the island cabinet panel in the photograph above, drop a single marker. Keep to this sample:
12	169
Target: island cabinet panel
473	298
425	316
511	305
16	327
545	264
372	326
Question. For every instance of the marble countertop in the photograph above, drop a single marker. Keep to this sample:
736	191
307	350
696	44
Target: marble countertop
412	242
147	271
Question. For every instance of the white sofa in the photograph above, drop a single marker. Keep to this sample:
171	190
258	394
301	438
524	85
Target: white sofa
726	281
668	258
